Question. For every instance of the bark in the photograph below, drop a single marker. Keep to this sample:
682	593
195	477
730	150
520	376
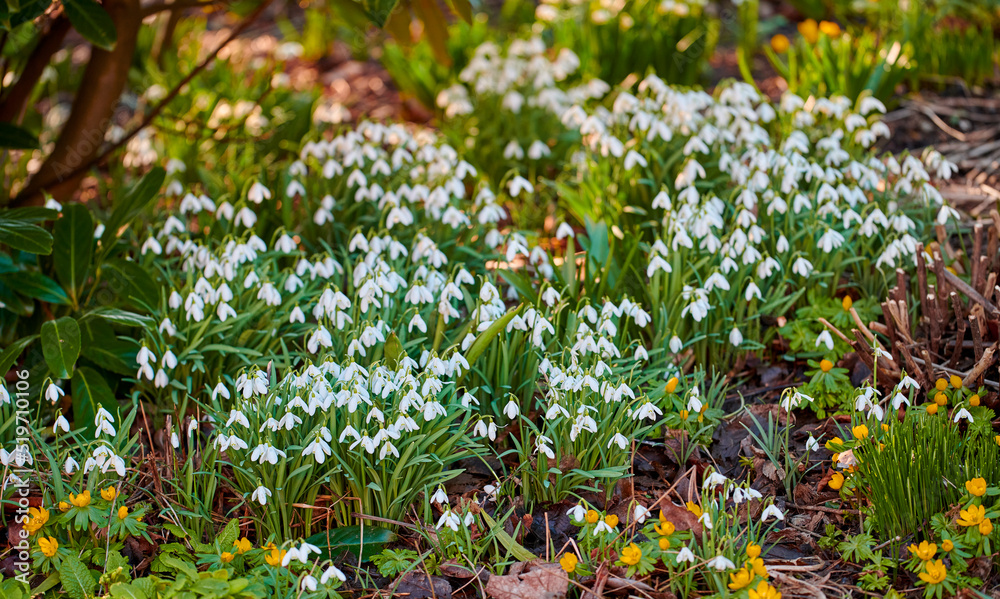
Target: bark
16	100
83	134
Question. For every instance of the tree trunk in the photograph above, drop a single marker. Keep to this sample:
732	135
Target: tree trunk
16	99
83	134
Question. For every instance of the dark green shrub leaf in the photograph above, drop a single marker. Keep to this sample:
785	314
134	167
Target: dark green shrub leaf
61	345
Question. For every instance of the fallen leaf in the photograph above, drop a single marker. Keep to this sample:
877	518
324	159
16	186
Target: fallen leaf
530	580
418	585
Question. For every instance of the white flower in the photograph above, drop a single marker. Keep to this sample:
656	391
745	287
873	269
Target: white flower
735	337
772	511
61	423
720	563
564	231
812	444
640	513
963	413
685	555
619	440
308	583
261	495
825	339
440	497
676	345
70	466
577	512
332	572
53	393
511	410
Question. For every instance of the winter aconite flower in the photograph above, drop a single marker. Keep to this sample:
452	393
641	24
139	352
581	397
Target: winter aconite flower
780	43
275	557
974	516
631	555
109	494
947	545
122	512
925	551
243	545
592	517
936	572
81	500
764	591
568	562
976	486
37	517
740	579
48	545
226	557
836	481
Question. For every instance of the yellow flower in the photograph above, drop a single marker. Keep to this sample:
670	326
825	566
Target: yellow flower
940	384
847	302
631	555
753	551
764	591
976	486
665	527
972	516
122	512
985	527
664	543
757	565
941	399
780	43
274	558
568	562
860	431
947	545
592	517
935	573
48	545
243	545
925	551
611	520
81	500
672	384
974	401
836	481
997	439
932	409
684	414
694	508
740	579
109	494
226	557
63	506
825	365
885	428
956	381
829	28
834	443
38	516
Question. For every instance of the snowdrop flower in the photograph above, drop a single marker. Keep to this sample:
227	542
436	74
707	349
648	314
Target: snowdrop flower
511	410
771	511
619	440
440	497
825	339
719	563
308	583
714	479
676	345
685	555
519	184
261	495
812	444
640	513
908	382
577	512
963	413
603	526
53	393
331	573
881	353
735	337
258	193
61	423
70	466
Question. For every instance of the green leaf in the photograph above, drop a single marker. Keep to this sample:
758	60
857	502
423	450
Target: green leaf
92	21
61	345
13	137
132	204
30	214
379	10
36	285
126	590
122	317
393	350
10	355
101	346
486	337
90	393
130	282
76	579
74	248
25	237
335	541
516	549
229	535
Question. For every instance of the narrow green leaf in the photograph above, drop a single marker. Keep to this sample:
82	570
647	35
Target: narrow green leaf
61	345
486	337
393	351
13	352
335	541
516	549
90	393
129	206
35	285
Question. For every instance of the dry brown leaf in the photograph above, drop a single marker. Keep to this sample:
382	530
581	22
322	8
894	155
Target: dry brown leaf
536	579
